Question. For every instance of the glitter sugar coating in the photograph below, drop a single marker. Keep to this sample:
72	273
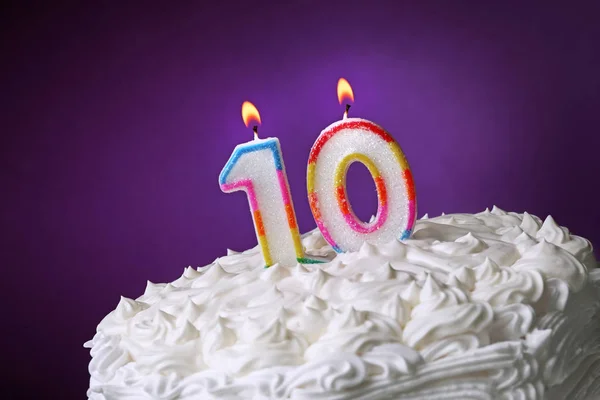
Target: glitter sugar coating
338	146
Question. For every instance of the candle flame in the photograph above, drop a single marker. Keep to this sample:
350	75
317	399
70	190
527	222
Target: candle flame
250	114
344	91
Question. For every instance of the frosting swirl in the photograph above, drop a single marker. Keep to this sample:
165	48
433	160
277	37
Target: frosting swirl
472	306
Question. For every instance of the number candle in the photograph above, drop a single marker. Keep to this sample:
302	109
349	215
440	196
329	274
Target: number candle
337	147
257	168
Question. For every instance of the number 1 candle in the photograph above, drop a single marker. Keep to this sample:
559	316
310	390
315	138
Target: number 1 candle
358	140
257	168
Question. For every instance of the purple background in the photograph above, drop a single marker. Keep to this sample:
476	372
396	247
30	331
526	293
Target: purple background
117	120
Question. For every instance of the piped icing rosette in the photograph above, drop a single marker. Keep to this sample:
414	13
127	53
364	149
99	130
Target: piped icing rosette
490	305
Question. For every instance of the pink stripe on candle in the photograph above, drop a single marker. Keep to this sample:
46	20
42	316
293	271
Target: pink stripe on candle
411	214
285	193
326	234
314	205
246	185
360	227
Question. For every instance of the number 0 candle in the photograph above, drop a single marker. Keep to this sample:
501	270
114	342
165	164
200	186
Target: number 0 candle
257	168
358	140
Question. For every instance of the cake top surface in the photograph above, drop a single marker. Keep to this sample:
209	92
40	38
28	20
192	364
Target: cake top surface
462	294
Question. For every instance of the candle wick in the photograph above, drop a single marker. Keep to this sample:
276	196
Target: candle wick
255	130
346	112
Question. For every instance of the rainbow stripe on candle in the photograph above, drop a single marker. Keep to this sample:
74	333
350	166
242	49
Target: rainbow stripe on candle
340	181
342	196
270	144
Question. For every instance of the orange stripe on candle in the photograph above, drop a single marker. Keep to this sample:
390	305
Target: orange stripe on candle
260	227
381	191
341	198
312	200
289	211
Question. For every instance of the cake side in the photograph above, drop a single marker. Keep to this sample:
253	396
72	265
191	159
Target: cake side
490	305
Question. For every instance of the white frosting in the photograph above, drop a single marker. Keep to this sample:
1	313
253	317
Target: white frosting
491	305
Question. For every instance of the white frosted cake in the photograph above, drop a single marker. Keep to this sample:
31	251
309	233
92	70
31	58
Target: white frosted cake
493	305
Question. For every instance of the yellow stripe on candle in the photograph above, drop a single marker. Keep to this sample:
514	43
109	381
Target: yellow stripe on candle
264	246
340	171
262	237
399	155
297	243
310	182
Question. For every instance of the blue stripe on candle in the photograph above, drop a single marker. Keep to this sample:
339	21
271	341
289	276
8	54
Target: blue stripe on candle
268	144
406	234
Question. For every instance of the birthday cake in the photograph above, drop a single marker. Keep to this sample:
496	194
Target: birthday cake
493	305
